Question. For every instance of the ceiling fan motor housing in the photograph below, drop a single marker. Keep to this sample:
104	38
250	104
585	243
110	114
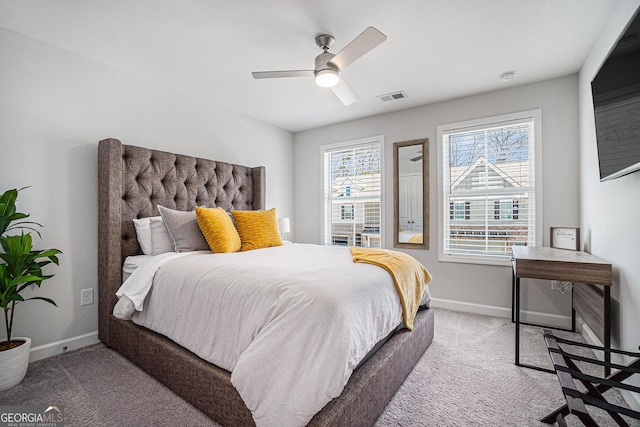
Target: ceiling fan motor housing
322	62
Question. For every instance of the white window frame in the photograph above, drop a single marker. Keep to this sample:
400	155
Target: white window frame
536	116
377	139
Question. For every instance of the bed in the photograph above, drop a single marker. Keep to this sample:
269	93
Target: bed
132	182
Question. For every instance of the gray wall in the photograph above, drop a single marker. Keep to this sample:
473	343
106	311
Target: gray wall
610	211
479	288
54	108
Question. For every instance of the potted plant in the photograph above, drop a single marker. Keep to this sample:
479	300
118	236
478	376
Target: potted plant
20	268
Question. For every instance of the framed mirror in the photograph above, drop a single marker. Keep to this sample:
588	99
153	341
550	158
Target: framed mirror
411	194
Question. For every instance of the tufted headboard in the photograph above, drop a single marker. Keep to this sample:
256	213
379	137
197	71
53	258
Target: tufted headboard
133	181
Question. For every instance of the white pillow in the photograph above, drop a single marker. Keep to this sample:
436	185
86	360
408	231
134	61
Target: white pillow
143	233
161	241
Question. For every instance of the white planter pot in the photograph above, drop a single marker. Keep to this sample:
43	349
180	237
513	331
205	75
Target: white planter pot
14	363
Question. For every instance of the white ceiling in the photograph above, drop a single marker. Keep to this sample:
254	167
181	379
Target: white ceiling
436	49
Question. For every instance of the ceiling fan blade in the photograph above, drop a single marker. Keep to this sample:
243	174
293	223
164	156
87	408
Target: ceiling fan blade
278	74
358	47
344	92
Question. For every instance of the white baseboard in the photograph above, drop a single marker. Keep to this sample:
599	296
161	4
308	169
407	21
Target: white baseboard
632	399
589	336
59	347
553	320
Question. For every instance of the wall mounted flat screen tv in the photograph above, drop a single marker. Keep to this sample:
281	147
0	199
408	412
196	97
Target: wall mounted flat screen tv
616	102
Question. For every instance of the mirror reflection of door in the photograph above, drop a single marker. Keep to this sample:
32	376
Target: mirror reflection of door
411	190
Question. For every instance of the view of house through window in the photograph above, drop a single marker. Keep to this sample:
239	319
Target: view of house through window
352	194
488	187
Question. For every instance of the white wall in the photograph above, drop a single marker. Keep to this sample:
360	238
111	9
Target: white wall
609	211
54	108
480	288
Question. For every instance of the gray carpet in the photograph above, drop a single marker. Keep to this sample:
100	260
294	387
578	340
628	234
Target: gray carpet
466	378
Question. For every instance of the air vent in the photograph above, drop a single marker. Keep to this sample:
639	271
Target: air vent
393	96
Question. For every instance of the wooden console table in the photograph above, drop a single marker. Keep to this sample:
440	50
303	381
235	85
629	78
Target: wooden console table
564	265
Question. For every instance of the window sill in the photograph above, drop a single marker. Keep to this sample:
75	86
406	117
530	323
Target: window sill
477	259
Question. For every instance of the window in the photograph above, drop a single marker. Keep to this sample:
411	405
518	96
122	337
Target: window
482	178
487	178
347	212
506	210
352	193
459	210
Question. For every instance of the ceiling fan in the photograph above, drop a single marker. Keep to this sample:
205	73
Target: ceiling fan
328	66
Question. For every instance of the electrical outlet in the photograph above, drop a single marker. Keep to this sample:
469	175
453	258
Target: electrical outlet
86	296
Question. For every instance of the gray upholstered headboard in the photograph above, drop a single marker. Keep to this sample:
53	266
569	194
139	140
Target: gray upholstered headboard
133	181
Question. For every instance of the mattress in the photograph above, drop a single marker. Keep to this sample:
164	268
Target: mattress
290	323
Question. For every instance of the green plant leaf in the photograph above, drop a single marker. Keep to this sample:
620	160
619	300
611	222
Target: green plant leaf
25	279
19	215
15	297
7	208
50	301
25	227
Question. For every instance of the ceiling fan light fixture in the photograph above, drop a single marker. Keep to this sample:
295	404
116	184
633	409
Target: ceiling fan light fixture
327	78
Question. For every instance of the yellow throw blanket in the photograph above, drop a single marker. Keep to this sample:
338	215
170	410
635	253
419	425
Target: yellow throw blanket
416	238
409	276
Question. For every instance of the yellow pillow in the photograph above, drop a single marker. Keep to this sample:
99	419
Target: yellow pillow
218	229
257	229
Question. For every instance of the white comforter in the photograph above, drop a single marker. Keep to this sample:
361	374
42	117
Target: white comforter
290	323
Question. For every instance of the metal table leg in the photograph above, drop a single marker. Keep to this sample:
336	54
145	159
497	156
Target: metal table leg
517	315
607	329
513	295
517	310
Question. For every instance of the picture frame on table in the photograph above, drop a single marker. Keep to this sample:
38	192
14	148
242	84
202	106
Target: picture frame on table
565	238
